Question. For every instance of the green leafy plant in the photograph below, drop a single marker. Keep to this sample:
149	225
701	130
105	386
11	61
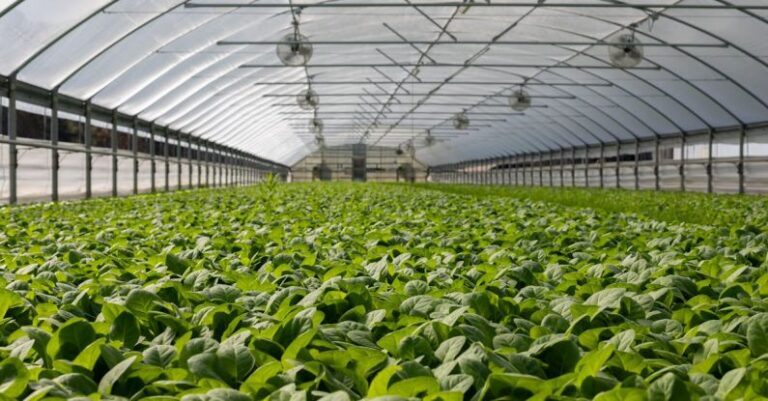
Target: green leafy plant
347	292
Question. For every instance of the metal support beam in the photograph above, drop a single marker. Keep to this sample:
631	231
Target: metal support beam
152	162
656	155
710	158
220	162
683	143
199	163
54	147
113	143
88	155
551	168
562	167
573	167
541	169
167	159
135	154
617	167
586	166
456	4
602	165
637	164
207	151
13	162
189	161
740	166
178	161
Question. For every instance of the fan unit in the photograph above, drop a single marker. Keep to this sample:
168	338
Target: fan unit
294	50
520	100
308	99
626	51
461	121
409	148
316	126
429	140
319	140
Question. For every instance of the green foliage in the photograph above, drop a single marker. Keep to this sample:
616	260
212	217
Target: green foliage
722	210
349	292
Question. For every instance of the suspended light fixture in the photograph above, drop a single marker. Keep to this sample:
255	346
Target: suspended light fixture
295	49
316	126
626	51
461	121
308	99
320	140
409	148
520	100
429	140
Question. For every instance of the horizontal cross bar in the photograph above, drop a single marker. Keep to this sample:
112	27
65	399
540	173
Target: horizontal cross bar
535	106
466	42
452	65
304	83
373	4
415	112
422	95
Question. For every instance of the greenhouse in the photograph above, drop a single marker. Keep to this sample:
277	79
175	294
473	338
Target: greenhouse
391	200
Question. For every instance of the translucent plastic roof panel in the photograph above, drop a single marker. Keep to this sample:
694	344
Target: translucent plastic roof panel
389	71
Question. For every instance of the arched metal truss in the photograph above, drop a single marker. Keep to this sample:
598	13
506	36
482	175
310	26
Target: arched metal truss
207	69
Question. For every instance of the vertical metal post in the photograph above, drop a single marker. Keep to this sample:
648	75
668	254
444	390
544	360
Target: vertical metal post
656	163
586	166
517	165
152	163
541	169
637	164
562	167
178	161
114	152
88	155
573	166
13	162
683	143
135	153
740	167
199	163
617	167
189	161
551	167
602	165
710	158
221	167
54	147
166	157
207	151
525	169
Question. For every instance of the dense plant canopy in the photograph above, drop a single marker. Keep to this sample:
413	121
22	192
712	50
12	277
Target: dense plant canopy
345	292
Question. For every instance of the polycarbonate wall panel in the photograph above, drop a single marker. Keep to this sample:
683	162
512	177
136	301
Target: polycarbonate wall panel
72	175
33	173
4	179
145	175
101	175
124	175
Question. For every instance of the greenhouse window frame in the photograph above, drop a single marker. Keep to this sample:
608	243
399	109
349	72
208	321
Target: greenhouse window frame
16	91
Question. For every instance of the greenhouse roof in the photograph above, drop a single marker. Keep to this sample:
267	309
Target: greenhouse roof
389	71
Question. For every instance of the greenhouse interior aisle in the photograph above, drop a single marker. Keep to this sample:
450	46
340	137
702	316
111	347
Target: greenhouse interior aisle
390	200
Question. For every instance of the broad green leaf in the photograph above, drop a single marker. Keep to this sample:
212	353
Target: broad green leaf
757	334
114	375
14	377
